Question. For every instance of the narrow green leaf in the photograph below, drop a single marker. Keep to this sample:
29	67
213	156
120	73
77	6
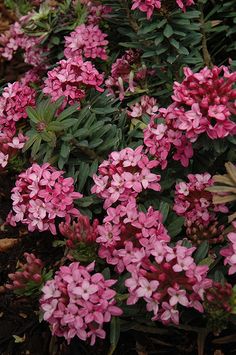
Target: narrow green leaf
201	252
114	334
36	146
168	31
30	142
67	112
33	114
83	175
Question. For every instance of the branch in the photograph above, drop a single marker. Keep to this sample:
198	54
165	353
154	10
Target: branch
206	55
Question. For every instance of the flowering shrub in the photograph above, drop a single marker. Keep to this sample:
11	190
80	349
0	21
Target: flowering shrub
77	302
16	39
86	40
127	235
135	102
125	174
41	194
149	6
205	102
29	277
70	79
172	279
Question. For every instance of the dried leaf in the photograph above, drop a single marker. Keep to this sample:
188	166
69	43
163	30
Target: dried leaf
220	188
19	339
224	340
218	352
231	170
7	243
224	179
23	315
232	217
223	199
140	349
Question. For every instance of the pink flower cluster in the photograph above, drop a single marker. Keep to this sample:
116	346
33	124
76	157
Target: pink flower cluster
78	302
96	12
219	298
31	76
147	105
171	279
70	78
80	231
149	6
205	102
195	203
126	173
15	39
13	103
127	235
41	194
86	40
31	271
126	74
230	252
160	138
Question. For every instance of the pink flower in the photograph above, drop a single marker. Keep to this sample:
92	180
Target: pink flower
87	40
161	285
29	274
78	303
127	74
15	38
147	106
169	314
115	182
146	288
3	159
193	202
41	194
230	253
70	78
149	6
204	102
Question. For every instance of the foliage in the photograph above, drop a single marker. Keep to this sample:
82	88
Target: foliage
146	147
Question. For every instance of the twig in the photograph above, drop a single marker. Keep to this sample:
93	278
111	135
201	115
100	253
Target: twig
206	55
132	21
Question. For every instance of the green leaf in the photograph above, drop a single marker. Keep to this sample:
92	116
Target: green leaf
174	43
175	227
164	209
104	110
93	168
65	150
87	201
81	133
83	175
159	39
48	136
114	334
30	142
68	112
36	146
148	28
168	31
201	252
33	114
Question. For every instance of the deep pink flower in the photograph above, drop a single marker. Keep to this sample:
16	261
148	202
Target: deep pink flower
70	78
86	40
